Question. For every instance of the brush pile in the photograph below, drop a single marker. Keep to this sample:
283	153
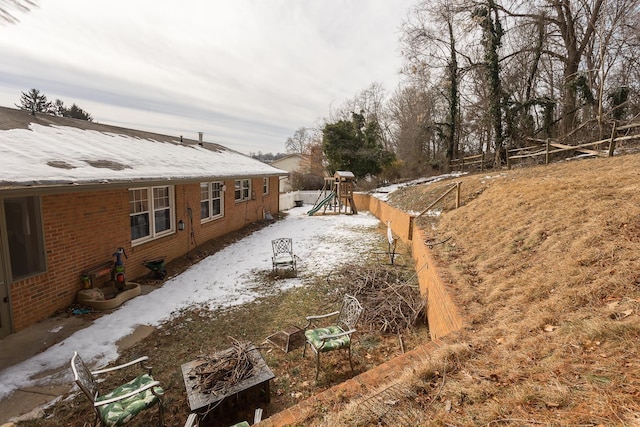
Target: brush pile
390	296
216	374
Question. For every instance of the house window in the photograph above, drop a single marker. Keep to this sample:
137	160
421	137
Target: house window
151	213
265	186
211	201
25	236
243	190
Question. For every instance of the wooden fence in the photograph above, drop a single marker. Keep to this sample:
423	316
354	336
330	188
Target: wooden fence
468	161
548	147
455	186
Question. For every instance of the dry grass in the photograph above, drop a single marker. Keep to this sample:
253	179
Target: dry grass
198	331
544	264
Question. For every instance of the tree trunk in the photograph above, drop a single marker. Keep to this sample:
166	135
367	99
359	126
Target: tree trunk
574	50
452	122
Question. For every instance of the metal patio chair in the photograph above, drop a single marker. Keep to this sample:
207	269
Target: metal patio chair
335	336
119	406
283	256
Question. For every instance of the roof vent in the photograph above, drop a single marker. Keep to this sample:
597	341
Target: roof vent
200	139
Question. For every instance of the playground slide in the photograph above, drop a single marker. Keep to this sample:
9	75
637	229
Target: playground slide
323	202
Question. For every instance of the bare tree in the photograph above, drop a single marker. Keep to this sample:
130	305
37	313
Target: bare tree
576	26
607	59
411	109
487	16
299	142
430	46
370	102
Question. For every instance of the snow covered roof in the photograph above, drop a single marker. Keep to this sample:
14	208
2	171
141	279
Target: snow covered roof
43	150
344	174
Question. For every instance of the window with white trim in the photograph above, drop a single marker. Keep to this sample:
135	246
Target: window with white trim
242	190
265	186
211	201
151	213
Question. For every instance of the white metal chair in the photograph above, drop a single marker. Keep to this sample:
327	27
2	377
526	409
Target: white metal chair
192	420
126	401
283	256
335	336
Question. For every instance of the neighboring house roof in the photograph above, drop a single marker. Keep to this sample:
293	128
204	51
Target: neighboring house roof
289	162
44	150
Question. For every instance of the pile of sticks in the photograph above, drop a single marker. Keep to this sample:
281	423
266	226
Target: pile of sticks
216	374
390	297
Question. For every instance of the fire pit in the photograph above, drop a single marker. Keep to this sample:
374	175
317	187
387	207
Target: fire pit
209	380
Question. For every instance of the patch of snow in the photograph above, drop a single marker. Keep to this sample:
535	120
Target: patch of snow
382	193
224	279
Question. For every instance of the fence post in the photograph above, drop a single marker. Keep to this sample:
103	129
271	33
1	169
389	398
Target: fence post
458	195
612	144
482	161
546	162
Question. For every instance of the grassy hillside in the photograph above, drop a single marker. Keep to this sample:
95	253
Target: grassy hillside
544	264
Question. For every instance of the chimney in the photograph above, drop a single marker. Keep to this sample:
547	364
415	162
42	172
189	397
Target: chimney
200	139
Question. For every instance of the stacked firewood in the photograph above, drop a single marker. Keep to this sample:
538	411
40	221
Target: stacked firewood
390	296
216	374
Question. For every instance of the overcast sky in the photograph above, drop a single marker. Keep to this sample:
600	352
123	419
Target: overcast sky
247	73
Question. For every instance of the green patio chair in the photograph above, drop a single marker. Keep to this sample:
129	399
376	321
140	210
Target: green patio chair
335	336
119	406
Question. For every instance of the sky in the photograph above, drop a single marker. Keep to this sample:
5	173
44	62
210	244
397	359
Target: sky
246	73
316	239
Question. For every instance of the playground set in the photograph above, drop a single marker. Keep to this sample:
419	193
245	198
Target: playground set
336	195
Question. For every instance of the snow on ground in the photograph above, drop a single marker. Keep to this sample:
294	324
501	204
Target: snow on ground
382	193
223	279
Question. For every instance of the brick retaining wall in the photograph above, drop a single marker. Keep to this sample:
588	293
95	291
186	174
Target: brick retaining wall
442	315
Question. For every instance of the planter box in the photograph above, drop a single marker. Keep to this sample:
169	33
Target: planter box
107	297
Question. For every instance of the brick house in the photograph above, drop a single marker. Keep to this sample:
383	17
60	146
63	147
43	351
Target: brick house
72	192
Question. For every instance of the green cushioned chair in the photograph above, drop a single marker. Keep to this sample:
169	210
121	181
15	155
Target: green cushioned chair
335	336
119	406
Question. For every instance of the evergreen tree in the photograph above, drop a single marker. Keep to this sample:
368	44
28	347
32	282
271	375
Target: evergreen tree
76	112
36	102
355	145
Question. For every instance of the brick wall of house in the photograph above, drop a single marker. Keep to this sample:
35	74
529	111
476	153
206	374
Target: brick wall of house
82	230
